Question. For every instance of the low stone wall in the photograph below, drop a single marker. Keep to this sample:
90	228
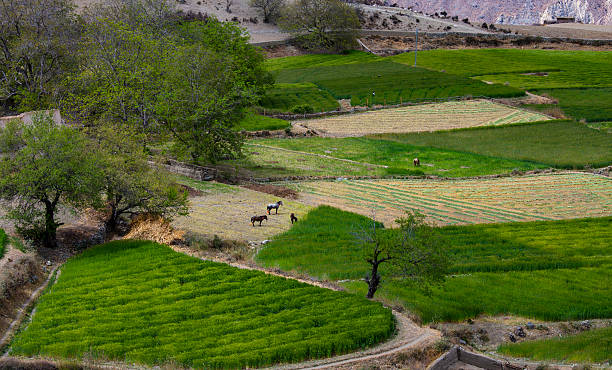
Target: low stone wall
458	354
199	173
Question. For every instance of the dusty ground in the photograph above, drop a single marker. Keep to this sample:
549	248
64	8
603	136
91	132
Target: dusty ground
228	215
568	30
487	333
428	117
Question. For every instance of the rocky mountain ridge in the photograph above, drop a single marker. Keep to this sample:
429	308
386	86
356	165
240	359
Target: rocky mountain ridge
515	11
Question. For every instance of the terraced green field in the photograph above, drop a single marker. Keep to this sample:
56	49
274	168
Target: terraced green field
539	270
593	346
398	157
256	122
520	68
320	60
386	82
561	144
285	97
591	105
142	302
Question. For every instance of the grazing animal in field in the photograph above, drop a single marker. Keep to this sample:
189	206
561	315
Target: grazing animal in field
258	218
416	162
293	218
274	206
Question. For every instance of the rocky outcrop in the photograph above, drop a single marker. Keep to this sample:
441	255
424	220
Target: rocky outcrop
515	11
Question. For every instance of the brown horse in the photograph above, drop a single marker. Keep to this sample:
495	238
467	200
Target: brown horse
258	218
293	218
416	162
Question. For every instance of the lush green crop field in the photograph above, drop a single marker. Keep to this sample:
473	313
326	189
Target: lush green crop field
284	97
320	60
592	105
593	346
537	269
256	122
142	302
3	242
565	68
391	82
398	156
563	144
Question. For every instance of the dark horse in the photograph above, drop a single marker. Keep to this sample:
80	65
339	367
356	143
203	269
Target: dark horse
416	162
258	218
275	206
293	218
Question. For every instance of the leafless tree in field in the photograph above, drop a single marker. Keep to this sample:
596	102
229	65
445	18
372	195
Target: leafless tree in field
269	8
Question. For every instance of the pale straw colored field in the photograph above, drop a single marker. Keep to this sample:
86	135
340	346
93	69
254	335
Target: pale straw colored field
526	198
427	117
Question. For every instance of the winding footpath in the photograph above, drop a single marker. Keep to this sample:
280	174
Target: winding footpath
23	310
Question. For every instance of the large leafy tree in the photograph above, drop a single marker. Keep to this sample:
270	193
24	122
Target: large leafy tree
412	251
321	24
131	184
44	166
37	43
121	76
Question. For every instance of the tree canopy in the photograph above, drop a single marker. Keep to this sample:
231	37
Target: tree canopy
321	24
412	251
44	166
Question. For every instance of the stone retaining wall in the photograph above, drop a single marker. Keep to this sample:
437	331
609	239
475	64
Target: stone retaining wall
199	173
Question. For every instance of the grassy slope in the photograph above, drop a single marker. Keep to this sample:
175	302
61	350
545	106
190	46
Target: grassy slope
3	242
536	269
399	156
562	144
256	122
284	97
591	346
391	82
566	68
142	302
592	105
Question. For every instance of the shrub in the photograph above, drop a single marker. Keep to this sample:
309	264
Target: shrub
302	109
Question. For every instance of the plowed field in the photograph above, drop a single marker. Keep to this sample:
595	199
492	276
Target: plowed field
527	198
428	117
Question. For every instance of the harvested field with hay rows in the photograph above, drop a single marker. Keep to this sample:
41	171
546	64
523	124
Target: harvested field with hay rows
228	215
428	117
141	302
527	198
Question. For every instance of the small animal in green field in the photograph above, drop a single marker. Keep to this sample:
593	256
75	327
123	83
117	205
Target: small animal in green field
293	218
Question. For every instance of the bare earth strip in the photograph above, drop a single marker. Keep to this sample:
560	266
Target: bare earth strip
419	118
228	215
528	198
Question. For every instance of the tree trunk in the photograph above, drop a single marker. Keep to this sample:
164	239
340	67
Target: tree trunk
373	280
111	223
50	233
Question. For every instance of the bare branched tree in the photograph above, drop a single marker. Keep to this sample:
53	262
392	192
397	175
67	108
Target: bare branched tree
321	24
37	38
270	9
412	251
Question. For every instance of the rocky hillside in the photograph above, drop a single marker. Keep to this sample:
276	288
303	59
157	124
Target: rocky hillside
515	11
